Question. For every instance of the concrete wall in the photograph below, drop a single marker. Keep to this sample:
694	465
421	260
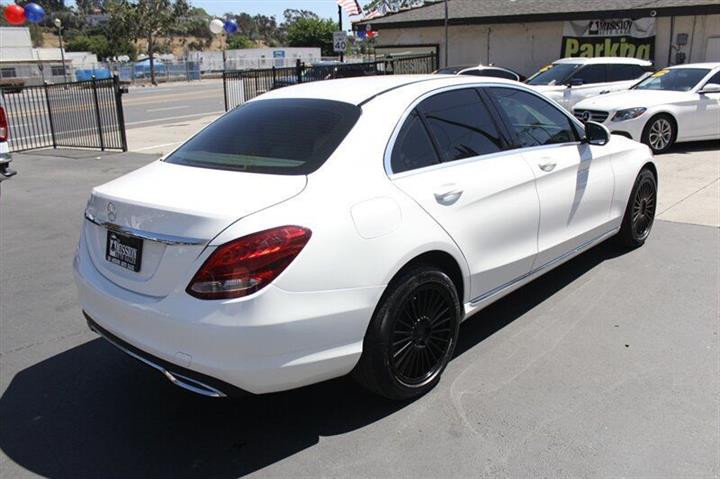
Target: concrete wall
527	46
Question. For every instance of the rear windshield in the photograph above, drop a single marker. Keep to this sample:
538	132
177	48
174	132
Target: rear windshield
278	136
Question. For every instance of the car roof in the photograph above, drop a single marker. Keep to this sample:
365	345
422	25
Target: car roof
594	60
708	65
360	89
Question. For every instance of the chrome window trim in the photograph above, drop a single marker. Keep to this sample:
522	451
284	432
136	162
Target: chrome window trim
396	131
170	240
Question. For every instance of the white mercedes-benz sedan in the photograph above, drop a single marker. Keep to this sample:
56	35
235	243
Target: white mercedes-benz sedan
570	80
349	226
676	104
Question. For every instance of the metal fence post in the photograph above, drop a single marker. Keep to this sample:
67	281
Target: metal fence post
50	117
298	70
120	112
97	113
274	77
225	92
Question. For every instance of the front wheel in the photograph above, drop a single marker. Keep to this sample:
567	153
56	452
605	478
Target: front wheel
412	335
640	211
660	133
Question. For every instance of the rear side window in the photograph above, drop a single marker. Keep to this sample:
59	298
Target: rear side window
413	147
621	72
461	125
278	136
591	74
533	121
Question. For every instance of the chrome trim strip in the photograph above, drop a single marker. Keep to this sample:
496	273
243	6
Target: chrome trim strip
586	244
178	380
146	235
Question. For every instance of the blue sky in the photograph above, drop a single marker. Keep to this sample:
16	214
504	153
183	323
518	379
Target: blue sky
324	8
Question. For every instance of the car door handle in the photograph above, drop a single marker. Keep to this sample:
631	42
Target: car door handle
449	195
547	167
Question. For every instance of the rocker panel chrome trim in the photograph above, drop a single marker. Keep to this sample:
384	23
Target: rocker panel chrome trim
550	263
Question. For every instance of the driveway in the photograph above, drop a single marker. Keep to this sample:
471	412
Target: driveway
609	366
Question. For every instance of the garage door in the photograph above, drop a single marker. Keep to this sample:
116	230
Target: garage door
712	51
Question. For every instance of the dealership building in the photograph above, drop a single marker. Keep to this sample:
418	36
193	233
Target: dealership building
527	34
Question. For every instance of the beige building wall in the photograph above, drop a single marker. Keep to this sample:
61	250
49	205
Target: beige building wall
525	47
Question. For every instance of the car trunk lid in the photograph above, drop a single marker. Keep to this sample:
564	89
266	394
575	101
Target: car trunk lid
175	211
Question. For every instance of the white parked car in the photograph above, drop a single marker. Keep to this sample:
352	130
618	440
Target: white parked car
349	226
571	80
680	103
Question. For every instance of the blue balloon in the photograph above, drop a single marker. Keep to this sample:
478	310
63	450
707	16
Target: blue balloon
231	26
34	13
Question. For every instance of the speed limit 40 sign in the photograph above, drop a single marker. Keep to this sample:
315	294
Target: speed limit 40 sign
339	42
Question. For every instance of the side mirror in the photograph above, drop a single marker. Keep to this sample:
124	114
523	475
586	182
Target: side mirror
575	82
596	134
710	88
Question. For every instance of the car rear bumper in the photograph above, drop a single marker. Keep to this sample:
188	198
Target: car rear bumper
271	341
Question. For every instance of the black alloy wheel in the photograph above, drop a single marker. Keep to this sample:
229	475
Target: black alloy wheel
422	335
412	335
640	212
643	209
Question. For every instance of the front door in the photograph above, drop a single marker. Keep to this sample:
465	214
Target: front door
574	181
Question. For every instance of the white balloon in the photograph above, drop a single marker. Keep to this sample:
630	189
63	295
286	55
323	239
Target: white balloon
216	26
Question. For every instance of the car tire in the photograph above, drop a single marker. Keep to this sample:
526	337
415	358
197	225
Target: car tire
660	133
640	211
412	335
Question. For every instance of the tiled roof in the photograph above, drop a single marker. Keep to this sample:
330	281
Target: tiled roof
489	11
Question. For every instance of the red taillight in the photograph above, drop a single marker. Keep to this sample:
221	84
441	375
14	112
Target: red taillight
4	128
247	264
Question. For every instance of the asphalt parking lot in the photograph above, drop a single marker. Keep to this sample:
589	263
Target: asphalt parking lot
609	366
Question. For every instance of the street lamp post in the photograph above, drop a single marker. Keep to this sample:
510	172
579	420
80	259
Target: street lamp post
58	24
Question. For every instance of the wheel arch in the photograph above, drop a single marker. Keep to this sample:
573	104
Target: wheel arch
442	260
664	112
653	169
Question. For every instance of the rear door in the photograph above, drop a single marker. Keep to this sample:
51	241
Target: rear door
575	181
451	157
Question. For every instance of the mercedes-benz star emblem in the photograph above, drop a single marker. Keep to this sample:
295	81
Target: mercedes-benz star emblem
586	116
111	211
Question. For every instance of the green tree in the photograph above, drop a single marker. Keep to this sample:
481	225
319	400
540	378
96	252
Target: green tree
236	42
312	32
391	5
148	20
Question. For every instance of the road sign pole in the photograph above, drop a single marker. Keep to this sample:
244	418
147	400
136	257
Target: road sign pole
342	54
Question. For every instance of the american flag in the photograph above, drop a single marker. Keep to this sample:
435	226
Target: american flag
351	7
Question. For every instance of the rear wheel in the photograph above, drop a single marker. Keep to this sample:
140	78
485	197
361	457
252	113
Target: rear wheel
640	211
412	335
660	133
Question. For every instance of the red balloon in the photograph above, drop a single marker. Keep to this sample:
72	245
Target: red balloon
14	14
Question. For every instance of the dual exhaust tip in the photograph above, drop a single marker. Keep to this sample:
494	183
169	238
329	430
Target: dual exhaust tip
180	380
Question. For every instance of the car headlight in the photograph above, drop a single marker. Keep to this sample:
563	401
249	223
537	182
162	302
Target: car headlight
628	114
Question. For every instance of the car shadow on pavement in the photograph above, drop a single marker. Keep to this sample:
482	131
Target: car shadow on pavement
693	146
94	412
